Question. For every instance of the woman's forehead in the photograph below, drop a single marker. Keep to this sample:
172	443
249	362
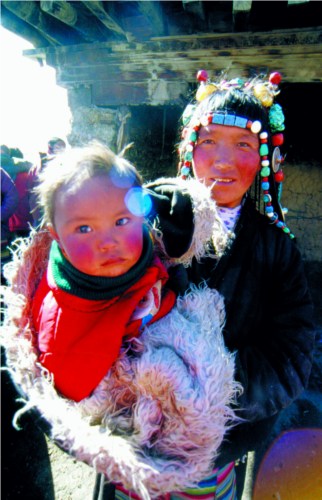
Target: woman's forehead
214	129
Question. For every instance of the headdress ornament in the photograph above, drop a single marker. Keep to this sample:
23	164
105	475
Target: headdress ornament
271	173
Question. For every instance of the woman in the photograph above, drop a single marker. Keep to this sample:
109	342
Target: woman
231	138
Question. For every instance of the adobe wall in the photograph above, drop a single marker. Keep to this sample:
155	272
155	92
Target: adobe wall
302	195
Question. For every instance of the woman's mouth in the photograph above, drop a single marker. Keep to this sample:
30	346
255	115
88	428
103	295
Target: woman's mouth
222	180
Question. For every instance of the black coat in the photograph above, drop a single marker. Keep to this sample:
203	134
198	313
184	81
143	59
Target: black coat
269	319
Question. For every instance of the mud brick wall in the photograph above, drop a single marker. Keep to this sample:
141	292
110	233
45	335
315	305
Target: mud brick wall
302	195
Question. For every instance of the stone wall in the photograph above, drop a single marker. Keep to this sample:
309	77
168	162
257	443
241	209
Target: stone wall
91	123
152	131
302	195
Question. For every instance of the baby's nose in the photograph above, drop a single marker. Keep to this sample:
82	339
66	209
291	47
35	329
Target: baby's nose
107	241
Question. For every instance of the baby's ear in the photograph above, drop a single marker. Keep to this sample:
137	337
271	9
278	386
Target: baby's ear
52	232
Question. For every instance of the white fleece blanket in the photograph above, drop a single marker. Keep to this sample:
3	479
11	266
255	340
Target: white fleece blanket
156	421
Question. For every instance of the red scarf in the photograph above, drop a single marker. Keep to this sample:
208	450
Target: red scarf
79	339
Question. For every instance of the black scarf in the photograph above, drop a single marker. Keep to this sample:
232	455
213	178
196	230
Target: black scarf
72	281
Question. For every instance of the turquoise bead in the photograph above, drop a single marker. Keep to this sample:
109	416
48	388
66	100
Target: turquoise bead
193	136
263	150
185	171
265	171
188	156
265	186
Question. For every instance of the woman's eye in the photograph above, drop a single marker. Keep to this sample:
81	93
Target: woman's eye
207	141
248	145
84	229
123	221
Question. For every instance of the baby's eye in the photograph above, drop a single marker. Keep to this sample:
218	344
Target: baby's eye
123	221
84	229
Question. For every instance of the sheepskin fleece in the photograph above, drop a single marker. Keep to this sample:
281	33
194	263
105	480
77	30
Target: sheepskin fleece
208	226
157	419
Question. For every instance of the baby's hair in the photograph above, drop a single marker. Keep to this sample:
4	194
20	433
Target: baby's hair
70	169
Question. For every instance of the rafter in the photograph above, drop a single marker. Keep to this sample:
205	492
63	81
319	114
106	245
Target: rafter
97	8
51	29
153	12
194	7
241	13
87	25
17	26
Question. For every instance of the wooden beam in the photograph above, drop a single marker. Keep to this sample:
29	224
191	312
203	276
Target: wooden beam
17	26
90	28
241	14
194	7
97	8
62	10
242	5
157	72
293	2
154	14
31	13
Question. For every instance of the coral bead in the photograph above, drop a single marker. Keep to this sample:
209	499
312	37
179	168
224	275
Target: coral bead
275	78
279	176
277	139
202	75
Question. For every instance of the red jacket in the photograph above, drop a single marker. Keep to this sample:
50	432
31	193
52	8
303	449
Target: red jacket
79	339
21	219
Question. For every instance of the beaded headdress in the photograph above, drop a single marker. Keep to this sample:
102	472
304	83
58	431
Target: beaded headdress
264	92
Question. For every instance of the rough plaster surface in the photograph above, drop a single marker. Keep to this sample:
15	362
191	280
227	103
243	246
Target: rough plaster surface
302	195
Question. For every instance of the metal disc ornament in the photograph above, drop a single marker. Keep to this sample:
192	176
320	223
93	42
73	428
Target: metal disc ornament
276	159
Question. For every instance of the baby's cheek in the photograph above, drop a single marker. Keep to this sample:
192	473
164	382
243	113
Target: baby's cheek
134	243
81	254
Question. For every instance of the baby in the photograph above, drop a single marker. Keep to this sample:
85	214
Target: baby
103	281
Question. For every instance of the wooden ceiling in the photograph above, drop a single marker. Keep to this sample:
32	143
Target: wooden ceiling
131	52
60	23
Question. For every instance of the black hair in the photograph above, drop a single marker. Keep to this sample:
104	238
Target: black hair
235	101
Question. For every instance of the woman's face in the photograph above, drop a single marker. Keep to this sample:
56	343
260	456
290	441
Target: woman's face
226	158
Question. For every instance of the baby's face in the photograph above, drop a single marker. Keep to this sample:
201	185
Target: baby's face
95	229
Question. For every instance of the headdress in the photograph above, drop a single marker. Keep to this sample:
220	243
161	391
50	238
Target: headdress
263	93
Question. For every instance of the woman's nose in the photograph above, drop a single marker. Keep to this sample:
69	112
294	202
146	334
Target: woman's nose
223	158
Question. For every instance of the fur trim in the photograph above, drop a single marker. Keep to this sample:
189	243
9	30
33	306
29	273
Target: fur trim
208	227
157	419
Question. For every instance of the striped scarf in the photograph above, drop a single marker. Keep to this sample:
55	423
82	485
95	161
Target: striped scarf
220	485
